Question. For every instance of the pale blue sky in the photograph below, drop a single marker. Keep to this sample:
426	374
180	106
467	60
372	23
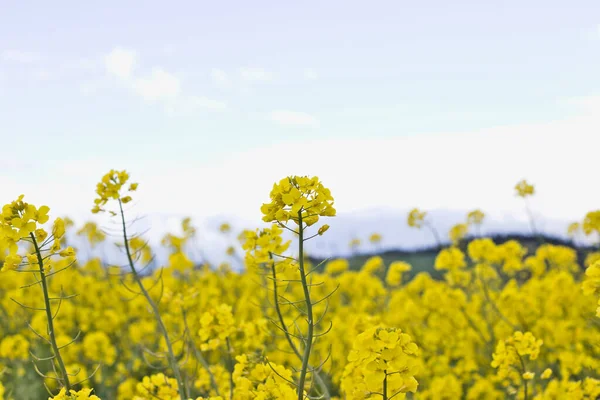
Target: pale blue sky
380	68
170	90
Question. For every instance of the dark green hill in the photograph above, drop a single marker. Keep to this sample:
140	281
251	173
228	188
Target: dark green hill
422	260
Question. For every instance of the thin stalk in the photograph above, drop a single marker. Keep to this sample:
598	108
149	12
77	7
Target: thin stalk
293	346
534	229
161	325
309	310
523	379
487	296
435	234
473	326
385	396
231	368
61	365
531	219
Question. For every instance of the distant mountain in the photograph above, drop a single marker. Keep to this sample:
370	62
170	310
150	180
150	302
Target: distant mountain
210	244
396	234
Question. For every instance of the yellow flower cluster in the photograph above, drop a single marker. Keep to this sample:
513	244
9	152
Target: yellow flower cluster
15	347
157	386
511	358
591	285
300	199
416	218
382	361
510	352
93	233
338	266
524	189
475	217
261	246
261	380
98	347
216	326
591	222
21	221
373	265
457	233
375	238
395	271
110	188
83	394
451	259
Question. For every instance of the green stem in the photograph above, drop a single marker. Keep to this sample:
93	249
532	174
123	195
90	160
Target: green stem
51	333
435	234
473	326
522	378
161	325
487	296
309	310
385	396
534	230
278	311
231	368
287	335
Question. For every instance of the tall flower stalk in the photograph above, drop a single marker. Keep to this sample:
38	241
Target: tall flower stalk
21	222
416	219
309	308
63	376
524	190
302	201
110	188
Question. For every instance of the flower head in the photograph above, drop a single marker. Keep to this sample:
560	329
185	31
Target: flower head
475	217
381	354
110	188
416	218
524	189
300	199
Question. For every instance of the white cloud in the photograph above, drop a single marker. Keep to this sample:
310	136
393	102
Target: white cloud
22	57
120	62
159	85
310	74
285	117
220	78
255	74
